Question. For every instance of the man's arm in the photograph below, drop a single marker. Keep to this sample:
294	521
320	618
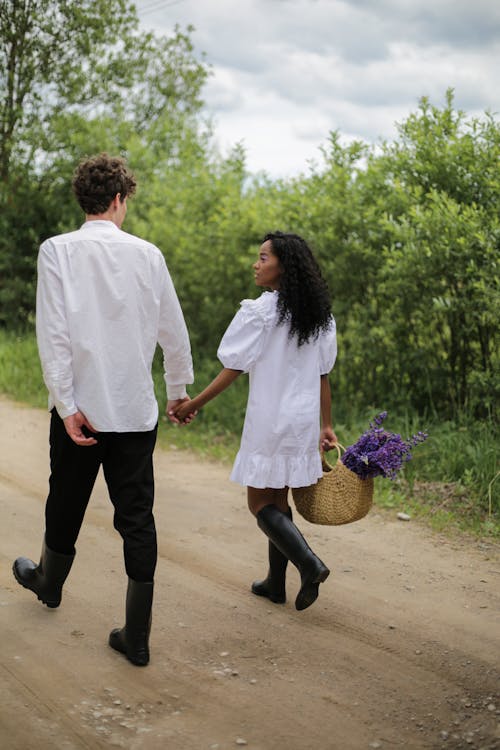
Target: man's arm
52	333
173	338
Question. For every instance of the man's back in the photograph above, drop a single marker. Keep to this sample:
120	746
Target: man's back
108	298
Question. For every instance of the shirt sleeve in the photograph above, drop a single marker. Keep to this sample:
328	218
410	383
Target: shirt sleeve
243	341
52	333
328	348
173	338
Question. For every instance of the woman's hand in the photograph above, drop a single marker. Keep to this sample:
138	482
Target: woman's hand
186	412
327	438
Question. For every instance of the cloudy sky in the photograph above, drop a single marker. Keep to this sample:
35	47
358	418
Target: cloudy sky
285	73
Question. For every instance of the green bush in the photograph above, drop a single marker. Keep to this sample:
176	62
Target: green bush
462	453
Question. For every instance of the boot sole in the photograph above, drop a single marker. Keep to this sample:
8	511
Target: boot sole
272	597
51	604
309	592
117	645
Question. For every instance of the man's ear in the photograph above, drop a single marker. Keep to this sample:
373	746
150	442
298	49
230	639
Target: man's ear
115	203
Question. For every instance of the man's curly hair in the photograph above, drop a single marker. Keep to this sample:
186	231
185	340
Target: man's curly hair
303	296
97	181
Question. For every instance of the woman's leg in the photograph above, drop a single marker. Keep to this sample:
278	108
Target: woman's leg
273	586
257	499
275	522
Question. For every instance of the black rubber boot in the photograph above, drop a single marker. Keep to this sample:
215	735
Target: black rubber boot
133	639
273	587
287	538
47	578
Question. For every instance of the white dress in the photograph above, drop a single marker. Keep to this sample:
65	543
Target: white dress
280	440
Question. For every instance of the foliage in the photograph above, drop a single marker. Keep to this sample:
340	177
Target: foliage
20	371
64	63
197	217
78	78
441	275
450	478
409	237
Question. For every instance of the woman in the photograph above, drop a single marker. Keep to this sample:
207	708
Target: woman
286	341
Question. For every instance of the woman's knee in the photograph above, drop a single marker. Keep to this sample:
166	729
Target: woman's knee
259	498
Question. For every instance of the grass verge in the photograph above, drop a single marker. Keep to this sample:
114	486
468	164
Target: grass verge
452	483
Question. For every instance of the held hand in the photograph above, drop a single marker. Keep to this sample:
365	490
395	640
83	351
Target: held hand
74	424
181	411
187	412
327	439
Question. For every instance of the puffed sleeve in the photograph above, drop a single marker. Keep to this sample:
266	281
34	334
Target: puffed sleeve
244	339
328	348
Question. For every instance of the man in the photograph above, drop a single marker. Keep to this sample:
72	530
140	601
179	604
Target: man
104	300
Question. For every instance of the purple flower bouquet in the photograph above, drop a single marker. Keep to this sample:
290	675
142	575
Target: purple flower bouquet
379	452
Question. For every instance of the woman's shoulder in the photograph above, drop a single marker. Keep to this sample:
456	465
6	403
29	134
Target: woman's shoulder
264	307
331	328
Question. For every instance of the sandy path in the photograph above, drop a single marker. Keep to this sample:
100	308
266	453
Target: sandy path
400	650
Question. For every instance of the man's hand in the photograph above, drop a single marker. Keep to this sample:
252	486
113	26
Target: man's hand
74	424
173	406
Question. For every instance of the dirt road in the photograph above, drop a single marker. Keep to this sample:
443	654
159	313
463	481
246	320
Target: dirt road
401	650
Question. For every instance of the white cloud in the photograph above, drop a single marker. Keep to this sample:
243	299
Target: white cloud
287	72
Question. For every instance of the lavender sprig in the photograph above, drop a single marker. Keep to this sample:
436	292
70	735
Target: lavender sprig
379	452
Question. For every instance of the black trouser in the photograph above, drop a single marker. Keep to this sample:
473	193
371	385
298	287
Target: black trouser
127	462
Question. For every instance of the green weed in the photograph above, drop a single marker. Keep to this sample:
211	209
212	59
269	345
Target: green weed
451	482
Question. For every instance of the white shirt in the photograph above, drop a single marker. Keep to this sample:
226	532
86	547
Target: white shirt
104	300
280	440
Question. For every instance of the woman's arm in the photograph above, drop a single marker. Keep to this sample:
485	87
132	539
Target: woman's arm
328	437
222	381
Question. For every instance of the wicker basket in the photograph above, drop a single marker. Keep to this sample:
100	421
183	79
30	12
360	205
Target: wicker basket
339	497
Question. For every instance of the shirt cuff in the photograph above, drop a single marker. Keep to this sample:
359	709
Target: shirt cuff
63	403
65	411
176	392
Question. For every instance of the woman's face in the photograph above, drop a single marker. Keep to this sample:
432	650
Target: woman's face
267	268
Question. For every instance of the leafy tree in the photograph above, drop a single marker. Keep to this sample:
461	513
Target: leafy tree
196	213
77	78
55	54
441	277
408	236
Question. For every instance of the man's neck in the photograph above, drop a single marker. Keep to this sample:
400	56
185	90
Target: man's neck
115	212
108	216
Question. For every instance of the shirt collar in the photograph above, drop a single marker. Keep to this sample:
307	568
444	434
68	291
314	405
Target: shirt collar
99	223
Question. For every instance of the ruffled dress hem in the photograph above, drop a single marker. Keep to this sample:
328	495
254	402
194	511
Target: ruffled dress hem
276	472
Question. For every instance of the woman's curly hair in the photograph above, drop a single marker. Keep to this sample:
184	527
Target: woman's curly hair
97	181
303	296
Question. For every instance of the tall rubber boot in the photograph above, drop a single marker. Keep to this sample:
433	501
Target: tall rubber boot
287	538
47	578
133	639
273	587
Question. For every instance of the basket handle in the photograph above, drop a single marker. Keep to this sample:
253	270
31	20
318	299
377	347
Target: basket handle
338	446
324	460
